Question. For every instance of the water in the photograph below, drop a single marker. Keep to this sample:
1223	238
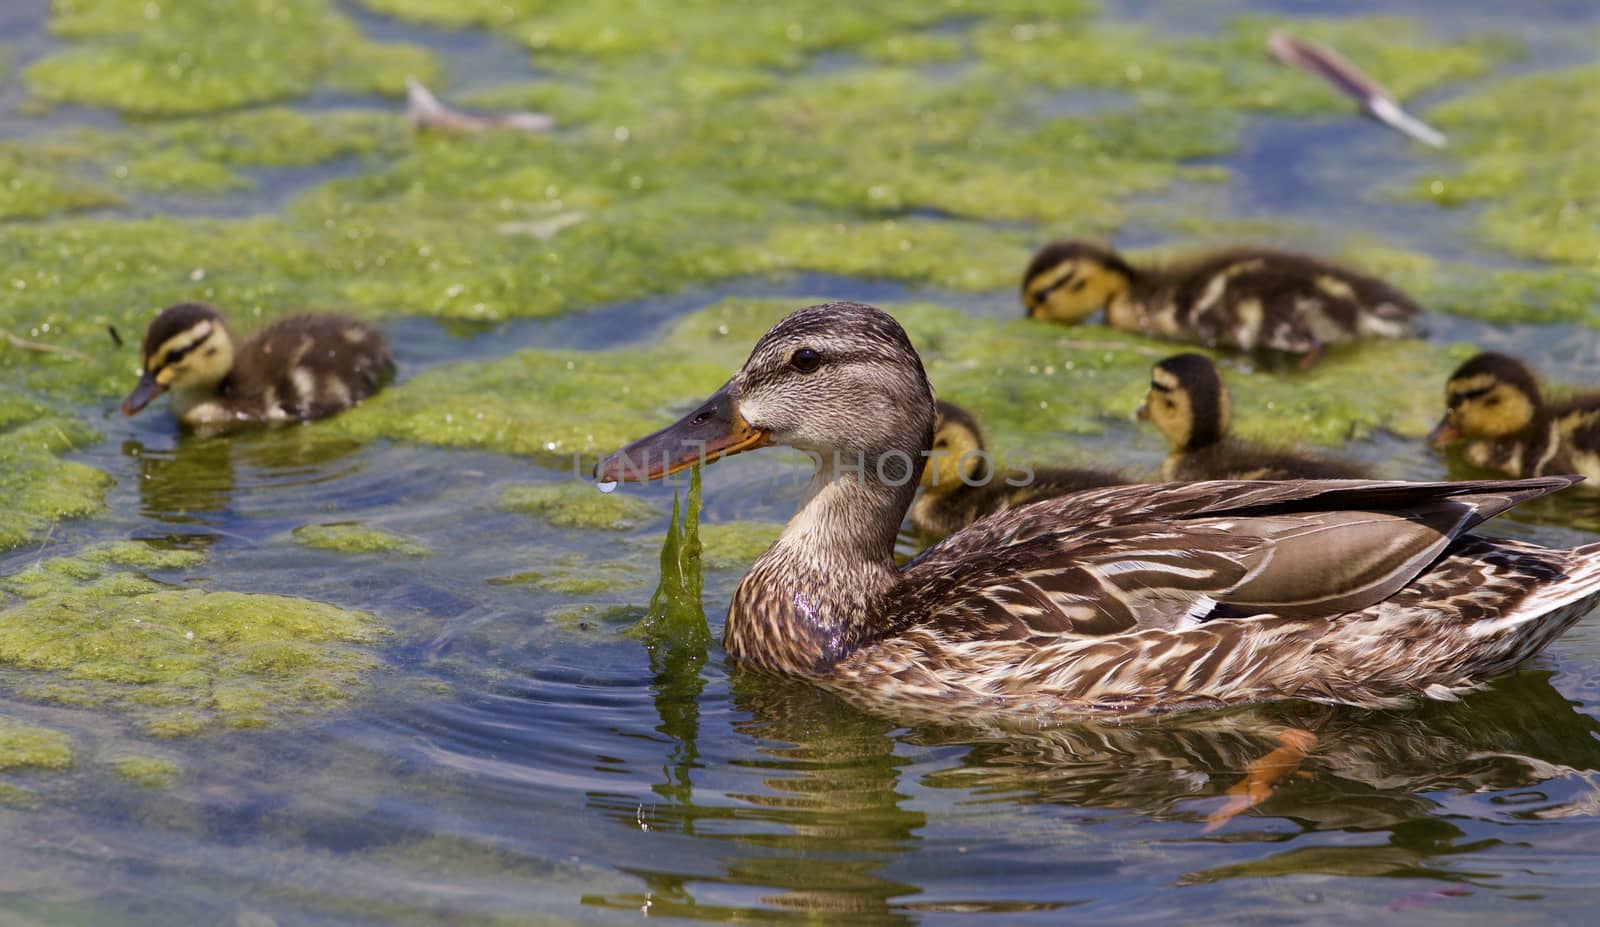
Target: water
522	758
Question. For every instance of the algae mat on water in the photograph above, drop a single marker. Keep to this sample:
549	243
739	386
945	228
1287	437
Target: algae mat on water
86	633
914	141
1034	383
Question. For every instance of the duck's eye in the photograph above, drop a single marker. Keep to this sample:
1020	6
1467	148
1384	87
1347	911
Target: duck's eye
1492	401
942	442
1079	284
805	360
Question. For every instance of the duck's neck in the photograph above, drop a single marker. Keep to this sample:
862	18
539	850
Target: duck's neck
821	590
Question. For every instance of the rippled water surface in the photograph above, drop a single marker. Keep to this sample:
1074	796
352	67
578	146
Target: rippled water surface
521	758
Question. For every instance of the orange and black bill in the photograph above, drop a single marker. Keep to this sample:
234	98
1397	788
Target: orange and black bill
1444	433
142	394
712	431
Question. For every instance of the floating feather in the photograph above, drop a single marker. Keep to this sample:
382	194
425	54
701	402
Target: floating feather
425	112
1350	81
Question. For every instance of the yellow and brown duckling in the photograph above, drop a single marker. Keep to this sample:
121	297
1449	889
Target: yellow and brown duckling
1243	298
1495	404
961	483
1121	599
299	368
1190	406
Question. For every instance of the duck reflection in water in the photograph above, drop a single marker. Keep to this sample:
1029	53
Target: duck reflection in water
832	819
200	480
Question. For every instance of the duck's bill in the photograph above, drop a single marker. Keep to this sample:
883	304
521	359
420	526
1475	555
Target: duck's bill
1143	412
1443	433
147	390
711	432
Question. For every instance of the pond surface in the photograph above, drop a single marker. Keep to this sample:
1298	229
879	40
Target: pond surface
504	750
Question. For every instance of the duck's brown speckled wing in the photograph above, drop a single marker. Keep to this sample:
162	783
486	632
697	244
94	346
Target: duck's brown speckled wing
1129	559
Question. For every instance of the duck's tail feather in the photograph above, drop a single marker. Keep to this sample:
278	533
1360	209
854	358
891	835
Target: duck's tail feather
1550	609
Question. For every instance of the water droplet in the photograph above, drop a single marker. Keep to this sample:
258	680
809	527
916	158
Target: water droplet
608	486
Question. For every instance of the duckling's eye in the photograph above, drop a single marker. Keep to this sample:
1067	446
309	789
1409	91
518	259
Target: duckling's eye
805	360
1079	284
1492	401
942	442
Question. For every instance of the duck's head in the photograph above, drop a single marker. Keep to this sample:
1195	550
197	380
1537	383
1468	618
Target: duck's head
838	380
1188	402
1070	280
187	347
957	450
1490	396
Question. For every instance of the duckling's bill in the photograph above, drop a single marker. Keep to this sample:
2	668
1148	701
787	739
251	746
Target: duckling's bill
1444	433
714	430
148	389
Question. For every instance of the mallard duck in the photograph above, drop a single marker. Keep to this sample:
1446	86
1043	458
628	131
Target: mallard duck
304	367
1189	404
960	484
1244	298
1124	598
1495	404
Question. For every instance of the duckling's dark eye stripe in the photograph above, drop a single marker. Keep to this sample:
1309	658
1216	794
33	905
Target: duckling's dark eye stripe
178	354
1057	284
1470	394
1159	387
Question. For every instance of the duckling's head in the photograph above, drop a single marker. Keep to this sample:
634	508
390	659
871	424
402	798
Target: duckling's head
1070	280
1490	396
1188	402
187	347
839	380
957	450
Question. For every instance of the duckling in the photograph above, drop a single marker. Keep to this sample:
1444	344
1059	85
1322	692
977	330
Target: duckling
1189	404
960	485
1244	298
299	368
1496	405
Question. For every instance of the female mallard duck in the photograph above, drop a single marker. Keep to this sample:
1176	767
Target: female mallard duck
960	484
1244	298
1123	598
305	367
1495	404
1188	402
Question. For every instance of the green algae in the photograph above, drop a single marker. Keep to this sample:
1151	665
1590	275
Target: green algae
577	576
1232	71
172	171
915	48
180	661
356	538
578	505
37	486
25	746
952	255
142	556
175	58
547	404
1027	379
734	545
33	187
676	619
155	772
1516	142
67	171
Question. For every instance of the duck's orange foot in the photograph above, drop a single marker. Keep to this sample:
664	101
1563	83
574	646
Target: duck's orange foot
1261	775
